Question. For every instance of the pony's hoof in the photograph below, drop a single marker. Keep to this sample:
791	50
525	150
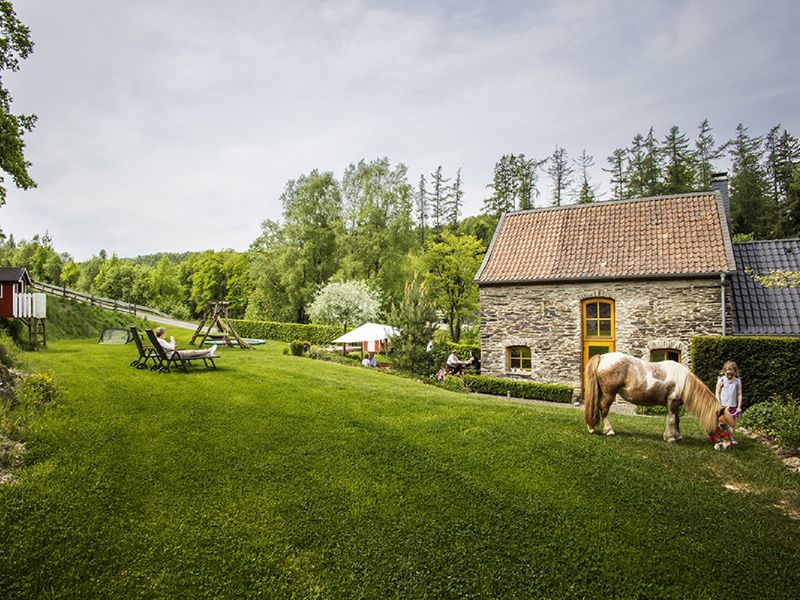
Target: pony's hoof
672	440
610	432
592	431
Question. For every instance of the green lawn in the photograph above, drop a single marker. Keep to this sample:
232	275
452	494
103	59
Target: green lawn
279	476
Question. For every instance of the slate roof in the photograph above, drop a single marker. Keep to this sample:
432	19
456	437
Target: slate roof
14	274
665	236
765	311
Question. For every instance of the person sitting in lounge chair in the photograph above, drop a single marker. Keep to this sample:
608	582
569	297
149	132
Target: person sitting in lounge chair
169	346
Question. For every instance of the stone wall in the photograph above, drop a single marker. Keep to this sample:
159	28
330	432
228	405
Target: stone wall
547	318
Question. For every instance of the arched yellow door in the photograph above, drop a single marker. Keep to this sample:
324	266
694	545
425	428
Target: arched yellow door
599	330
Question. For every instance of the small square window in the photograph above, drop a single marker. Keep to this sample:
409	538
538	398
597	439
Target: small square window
519	357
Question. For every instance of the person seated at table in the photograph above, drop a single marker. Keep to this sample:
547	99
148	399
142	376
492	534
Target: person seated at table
169	346
369	360
472	361
454	364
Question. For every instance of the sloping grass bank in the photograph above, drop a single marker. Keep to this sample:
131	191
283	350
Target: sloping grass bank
283	477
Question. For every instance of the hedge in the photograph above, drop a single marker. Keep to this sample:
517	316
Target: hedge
554	392
768	366
286	332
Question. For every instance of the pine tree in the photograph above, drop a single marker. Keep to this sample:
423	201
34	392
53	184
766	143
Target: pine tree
634	172
440	195
421	201
752	210
618	181
679	163
504	187
651	166
705	151
560	171
455	201
527	177
587	193
782	156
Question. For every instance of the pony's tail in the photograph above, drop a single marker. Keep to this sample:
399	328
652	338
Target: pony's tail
591	393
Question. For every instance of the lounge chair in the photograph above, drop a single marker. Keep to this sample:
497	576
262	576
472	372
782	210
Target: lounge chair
166	358
145	352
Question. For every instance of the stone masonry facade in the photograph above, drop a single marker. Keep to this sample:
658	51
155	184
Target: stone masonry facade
649	314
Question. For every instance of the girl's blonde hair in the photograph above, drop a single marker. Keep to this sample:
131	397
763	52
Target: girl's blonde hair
729	364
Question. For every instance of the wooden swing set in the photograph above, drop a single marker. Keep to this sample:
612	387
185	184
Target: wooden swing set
216	316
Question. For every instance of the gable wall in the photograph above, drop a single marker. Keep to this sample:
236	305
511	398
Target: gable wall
547	318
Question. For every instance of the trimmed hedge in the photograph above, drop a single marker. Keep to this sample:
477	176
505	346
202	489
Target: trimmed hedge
286	332
768	366
553	392
778	419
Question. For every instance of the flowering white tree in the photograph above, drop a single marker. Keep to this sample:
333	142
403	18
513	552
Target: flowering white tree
345	304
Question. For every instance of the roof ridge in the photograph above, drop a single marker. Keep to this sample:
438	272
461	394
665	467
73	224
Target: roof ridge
597	203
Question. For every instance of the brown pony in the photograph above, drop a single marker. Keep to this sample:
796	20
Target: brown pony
665	383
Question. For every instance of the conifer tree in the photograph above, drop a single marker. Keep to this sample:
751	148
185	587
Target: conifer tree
439	196
504	187
560	171
421	201
586	191
679	163
618	179
455	201
752	210
705	152
634	172
782	156
651	166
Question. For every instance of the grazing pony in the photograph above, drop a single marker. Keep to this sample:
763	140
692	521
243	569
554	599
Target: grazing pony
665	383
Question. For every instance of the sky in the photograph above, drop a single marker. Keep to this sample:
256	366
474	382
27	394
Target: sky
174	125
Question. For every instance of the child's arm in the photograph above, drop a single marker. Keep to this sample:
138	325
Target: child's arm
739	404
719	389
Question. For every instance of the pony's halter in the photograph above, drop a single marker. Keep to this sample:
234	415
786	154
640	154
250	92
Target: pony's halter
718	434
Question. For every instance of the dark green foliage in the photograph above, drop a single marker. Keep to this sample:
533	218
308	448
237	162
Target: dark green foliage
299	347
415	317
9	352
767	365
518	389
286	332
777	418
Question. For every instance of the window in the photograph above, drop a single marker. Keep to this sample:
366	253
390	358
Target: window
598	319
519	357
660	354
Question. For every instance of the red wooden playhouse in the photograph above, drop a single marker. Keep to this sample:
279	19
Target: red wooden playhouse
17	303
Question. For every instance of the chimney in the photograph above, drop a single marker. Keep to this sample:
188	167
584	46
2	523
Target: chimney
719	183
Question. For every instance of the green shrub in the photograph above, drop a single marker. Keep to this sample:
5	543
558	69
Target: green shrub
334	357
768	366
299	347
31	394
777	418
9	352
518	389
286	332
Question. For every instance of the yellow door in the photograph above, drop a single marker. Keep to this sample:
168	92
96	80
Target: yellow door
598	328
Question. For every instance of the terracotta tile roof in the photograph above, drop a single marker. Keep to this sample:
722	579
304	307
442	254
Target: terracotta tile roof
661	236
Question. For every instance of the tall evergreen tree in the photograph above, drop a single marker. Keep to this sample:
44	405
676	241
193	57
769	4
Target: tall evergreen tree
455	201
586	191
706	151
421	201
504	187
751	208
439	197
527	177
782	156
618	181
679	163
651	166
560	171
634	172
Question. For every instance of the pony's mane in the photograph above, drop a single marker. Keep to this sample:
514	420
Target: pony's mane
699	401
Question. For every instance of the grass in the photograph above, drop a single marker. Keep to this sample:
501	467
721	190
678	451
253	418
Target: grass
279	476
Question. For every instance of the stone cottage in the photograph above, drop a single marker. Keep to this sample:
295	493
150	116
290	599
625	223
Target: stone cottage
644	276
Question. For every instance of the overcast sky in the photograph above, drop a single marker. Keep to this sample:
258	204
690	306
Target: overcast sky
173	125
